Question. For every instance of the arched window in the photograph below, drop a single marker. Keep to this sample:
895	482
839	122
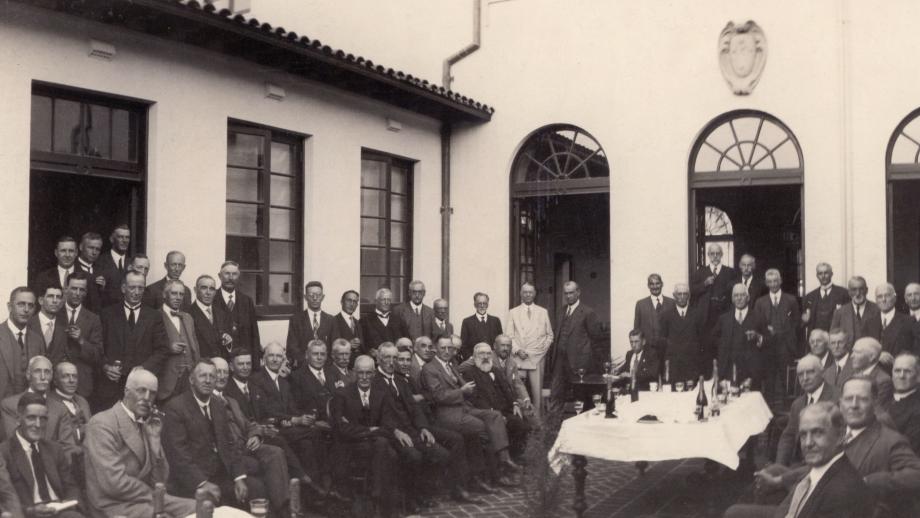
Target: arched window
902	166
559	159
719	230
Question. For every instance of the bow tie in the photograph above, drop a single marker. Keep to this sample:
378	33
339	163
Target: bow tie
383	315
174	314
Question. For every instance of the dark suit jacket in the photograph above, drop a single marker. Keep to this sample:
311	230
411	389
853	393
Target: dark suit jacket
648	320
831	376
683	337
473	331
86	353
93	299
309	394
841	493
906	416
246	403
146	344
647	370
340	329
885	386
301	332
9	502
868	325
57	470
822	310
784	318
787	450
715	299
352	422
106	267
209	334
490	394
198	450
408	416
78	419
12	370
889	466
269	401
416	325
898	336
242	323
375	333
756	288
153	296
438	333
47	279
575	336
751	360
58	337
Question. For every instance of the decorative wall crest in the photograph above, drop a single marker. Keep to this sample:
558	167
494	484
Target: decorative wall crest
742	56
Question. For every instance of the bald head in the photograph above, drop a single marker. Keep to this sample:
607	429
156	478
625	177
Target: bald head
866	352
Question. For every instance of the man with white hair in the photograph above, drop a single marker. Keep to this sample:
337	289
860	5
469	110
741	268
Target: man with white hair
711	291
905	409
384	325
781	313
808	371
866	352
681	329
860	317
912	298
341	363
895	326
818	341
741	342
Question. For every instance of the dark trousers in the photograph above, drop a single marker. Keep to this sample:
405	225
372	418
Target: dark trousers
295	469
311	446
271	468
456	471
559	386
380	458
419	464
518	429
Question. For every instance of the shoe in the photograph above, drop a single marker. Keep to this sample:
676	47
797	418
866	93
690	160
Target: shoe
462	496
314	487
506	481
481	486
512	466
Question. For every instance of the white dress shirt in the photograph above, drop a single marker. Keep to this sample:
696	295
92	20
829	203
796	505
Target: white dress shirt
63	273
116	257
902	395
137	311
176	322
886	318
73	313
15	330
533	334
27	447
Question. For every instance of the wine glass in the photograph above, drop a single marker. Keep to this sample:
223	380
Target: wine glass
608	367
597	399
581	374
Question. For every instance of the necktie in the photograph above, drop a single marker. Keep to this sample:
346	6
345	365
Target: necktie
230	303
417	312
658	304
837	376
884	323
49	332
245	390
207	313
364	399
206	410
393	386
823	293
321	377
73	316
798	497
682	312
848	437
738	317
315	325
22	343
482	319
351	323
121	264
811	399
441	325
568	311
40	479
528	312
132	318
859	313
174	314
775	300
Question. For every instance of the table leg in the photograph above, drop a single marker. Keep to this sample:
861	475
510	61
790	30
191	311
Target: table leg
579	474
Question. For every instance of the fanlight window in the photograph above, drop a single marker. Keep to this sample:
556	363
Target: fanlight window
718	230
717	222
906	147
560	153
745	142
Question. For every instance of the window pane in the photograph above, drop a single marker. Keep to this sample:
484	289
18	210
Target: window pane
373	174
282	224
398	180
373	261
398	287
279	289
398	209
98	131
398	262
41	123
281	158
245	251
243	219
66	127
281	256
243	184
398	235
244	149
251	284
372	203
124	136
373	232
282	190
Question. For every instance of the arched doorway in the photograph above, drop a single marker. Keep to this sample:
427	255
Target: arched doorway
560	217
746	180
902	167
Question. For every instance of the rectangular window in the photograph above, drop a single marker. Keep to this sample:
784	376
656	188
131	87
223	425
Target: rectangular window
386	225
265	215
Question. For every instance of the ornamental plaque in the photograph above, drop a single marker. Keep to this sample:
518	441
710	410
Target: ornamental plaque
742	56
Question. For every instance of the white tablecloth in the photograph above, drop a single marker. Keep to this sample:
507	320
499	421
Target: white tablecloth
679	436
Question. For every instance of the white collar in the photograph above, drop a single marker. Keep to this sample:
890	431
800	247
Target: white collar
682	309
316	372
346	315
385	375
776	296
168	311
444	364
438	322
240	384
202	404
85	264
915	313
842	361
868	369
226	294
116	256
817	472
887	315
824	358
44	319
480	316
419	360
573	306
65	397
64	270
204	309
317	314
418	307
816	395
743	312
26	445
16	330
715	268
899	397
75	311
272	375
854	432
128	411
826	289
656	299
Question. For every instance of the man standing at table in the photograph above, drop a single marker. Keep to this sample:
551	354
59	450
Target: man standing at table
578	328
681	328
648	315
781	313
821	302
711	292
741	342
531	336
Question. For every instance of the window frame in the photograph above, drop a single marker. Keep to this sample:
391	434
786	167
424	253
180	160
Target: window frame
367	299
266	311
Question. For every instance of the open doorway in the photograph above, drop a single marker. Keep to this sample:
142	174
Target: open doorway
69	204
903	175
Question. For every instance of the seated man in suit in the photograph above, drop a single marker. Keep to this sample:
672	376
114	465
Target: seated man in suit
681	330
66	381
59	427
262	459
830	486
418	316
346	323
842	368
383	325
809	373
494	392
175	265
640	363
39	469
84	334
123	456
866	352
818	341
342	373
313	383
200	447
184	350
423	352
905	409
480	327
310	324
360	414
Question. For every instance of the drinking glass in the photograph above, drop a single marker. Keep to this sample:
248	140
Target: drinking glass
679	386
579	406
581	375
597	399
258	507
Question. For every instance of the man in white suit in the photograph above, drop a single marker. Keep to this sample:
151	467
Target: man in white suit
123	455
531	335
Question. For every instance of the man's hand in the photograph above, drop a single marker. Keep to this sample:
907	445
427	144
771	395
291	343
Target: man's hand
418	398
74	332
709	280
154	426
355	344
112	372
403	438
211	489
427	437
304	420
285	369
253	443
517	411
240	490
522	354
771	330
764	480
100	280
468	388
177	347
322	425
806	316
226	339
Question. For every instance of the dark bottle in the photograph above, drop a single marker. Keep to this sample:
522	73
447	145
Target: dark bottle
159	500
716	406
610	411
701	401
